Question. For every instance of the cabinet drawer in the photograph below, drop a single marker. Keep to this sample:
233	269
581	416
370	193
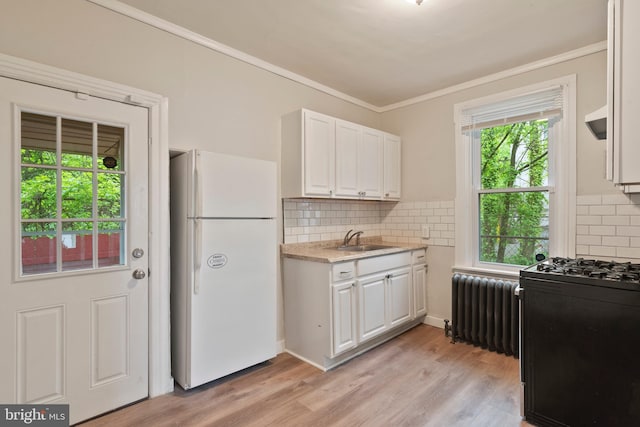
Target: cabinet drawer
419	256
343	271
383	263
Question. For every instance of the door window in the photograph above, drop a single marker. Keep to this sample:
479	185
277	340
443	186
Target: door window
72	183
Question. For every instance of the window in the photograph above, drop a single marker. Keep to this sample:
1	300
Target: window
71	193
515	155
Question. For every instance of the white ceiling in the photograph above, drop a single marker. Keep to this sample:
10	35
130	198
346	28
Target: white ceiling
386	51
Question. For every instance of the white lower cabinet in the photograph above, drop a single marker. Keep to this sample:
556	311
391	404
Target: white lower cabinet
343	300
399	296
419	282
333	312
371	298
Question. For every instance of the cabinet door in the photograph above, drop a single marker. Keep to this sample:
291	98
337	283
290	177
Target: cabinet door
348	137
399	296
319	154
420	290
392	172
625	67
344	317
371	297
370	164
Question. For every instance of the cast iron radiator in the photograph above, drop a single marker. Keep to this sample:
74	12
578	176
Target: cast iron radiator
485	313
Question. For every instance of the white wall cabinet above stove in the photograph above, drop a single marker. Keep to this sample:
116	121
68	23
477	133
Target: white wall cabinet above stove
326	157
623	93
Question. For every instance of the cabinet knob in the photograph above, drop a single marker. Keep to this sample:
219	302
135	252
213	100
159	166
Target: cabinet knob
386	194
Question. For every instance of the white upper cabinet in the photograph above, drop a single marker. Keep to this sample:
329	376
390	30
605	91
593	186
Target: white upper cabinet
319	154
370	163
348	140
326	157
392	168
623	92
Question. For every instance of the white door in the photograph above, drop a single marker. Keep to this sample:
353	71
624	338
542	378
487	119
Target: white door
73	185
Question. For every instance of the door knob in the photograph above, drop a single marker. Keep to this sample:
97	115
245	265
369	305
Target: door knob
139	274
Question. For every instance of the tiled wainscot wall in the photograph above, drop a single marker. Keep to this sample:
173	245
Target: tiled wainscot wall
315	220
608	227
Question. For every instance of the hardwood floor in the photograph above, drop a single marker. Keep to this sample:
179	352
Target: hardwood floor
416	379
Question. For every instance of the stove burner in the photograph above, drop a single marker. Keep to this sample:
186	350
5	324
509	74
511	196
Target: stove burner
609	270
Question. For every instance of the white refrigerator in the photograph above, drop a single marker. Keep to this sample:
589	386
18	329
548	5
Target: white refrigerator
223	265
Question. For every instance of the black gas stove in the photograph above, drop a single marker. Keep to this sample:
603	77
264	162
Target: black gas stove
611	274
580	341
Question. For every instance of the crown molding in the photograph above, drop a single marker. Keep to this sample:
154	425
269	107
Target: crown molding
557	59
161	24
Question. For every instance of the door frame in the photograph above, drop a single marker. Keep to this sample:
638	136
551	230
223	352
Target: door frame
160	380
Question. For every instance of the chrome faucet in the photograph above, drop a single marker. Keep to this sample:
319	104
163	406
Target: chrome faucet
349	236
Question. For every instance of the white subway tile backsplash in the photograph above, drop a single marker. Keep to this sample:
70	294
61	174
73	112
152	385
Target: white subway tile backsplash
620	241
589	220
603	230
615	220
608	226
589	199
589	240
615	199
627	210
602	251
628	231
602	210
628	252
310	221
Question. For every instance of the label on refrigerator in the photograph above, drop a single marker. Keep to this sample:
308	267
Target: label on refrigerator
217	260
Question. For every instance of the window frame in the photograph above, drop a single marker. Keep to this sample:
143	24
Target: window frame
562	180
19	275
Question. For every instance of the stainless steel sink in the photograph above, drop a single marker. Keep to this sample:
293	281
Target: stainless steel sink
362	248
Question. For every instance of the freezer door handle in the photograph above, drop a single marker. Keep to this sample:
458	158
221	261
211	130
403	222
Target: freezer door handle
196	256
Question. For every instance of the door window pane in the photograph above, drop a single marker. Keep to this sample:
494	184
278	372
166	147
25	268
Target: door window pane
77	144
77	194
110	244
38	139
110	148
38	193
39	247
109	195
62	173
77	245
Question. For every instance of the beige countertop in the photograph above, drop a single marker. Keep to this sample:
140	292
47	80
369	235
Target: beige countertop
325	251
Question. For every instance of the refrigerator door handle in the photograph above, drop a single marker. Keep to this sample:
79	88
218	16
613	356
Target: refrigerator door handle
196	256
196	184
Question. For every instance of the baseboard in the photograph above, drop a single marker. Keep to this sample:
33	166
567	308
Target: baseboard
280	346
434	321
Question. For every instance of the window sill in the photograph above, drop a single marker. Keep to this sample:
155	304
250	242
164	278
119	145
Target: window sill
513	275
